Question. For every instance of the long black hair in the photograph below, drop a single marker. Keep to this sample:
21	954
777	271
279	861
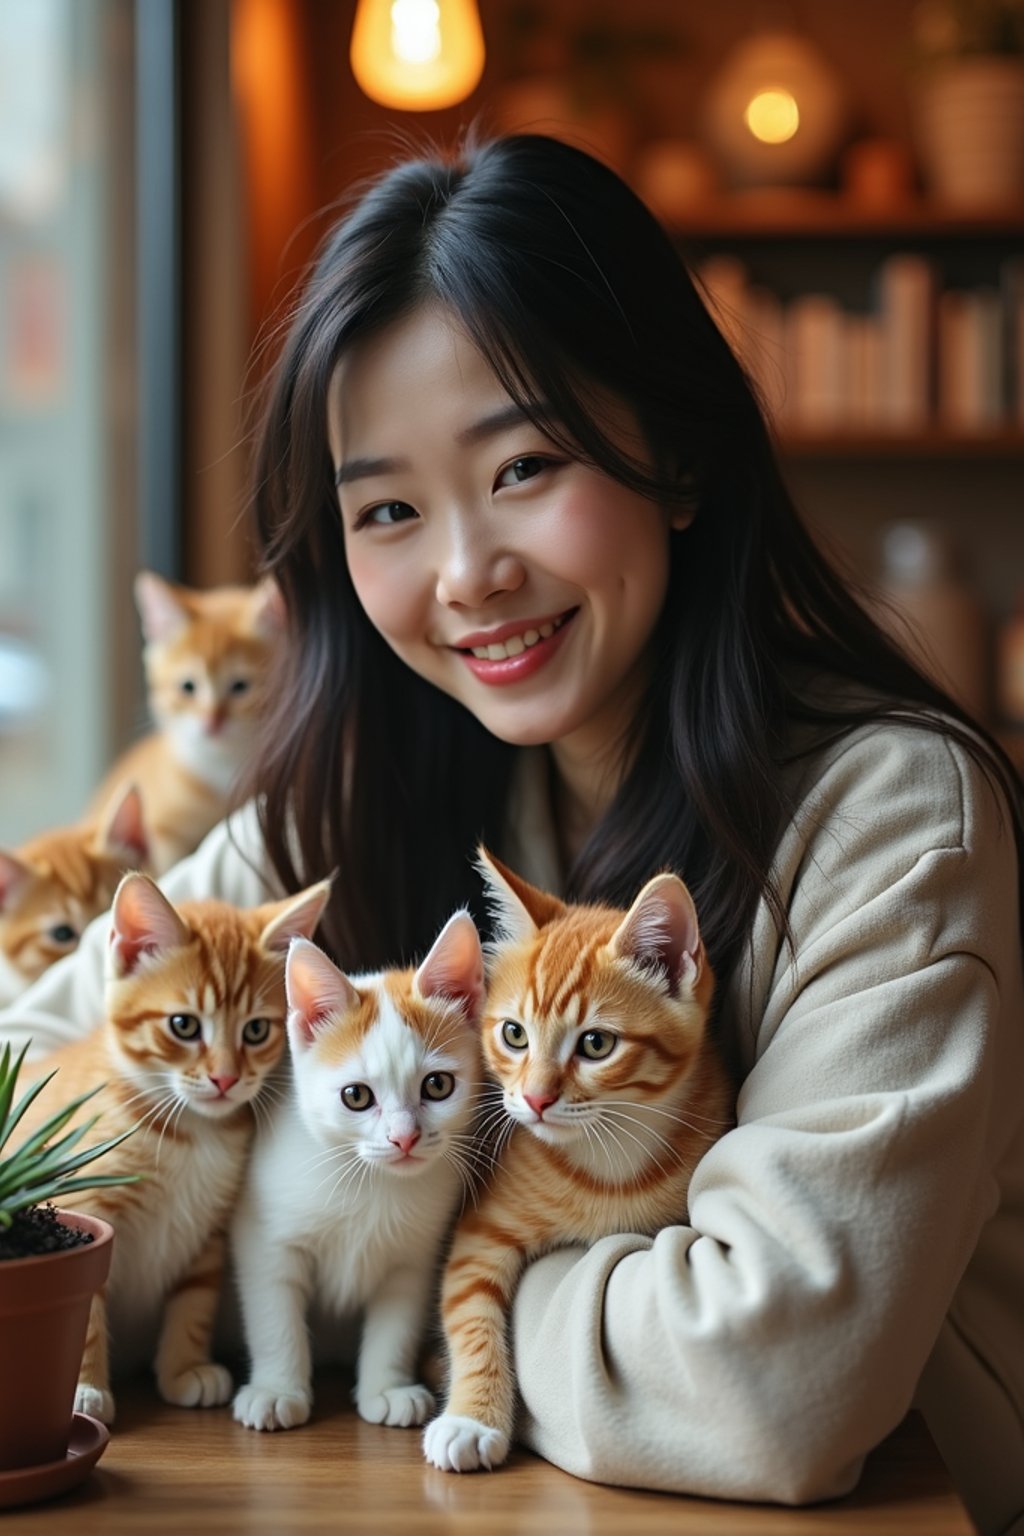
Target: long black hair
564	281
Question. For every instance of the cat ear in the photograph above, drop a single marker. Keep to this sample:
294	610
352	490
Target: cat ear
455	966
295	918
14	876
316	990
122	831
660	929
143	922
517	907
161	610
268	611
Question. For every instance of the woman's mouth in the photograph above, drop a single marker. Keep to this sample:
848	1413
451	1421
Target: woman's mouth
520	654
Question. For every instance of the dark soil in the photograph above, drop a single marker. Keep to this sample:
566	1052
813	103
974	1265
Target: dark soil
39	1231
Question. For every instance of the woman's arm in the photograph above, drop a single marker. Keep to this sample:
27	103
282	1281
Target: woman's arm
67	1000
762	1350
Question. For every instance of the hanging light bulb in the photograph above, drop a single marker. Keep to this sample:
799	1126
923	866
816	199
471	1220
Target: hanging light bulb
417	55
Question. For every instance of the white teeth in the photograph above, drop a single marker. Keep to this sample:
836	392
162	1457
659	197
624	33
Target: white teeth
515	645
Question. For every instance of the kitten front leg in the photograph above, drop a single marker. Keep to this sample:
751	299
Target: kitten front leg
275	1281
386	1390
185	1374
93	1394
475	1429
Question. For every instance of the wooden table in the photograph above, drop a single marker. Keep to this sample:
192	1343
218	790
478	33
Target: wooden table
171	1472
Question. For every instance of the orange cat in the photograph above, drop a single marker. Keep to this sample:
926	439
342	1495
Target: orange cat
207	658
196	1009
52	886
594	1026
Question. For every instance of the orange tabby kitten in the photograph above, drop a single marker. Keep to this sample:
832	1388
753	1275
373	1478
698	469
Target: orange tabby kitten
195	1023
594	1025
207	658
54	885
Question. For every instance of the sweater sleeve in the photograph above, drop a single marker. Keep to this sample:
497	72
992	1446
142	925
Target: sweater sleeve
762	1350
67	1000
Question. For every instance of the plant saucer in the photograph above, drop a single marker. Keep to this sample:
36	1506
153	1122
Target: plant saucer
25	1485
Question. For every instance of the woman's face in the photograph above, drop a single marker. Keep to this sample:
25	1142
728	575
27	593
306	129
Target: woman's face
522	583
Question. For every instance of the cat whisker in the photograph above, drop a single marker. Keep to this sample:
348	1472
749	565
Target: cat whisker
621	1108
670	1114
611	1110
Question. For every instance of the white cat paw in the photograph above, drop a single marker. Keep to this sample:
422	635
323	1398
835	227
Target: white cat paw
200	1386
95	1401
261	1406
457	1444
402	1407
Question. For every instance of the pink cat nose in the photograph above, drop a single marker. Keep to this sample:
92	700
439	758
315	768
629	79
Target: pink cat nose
222	1080
406	1140
539	1102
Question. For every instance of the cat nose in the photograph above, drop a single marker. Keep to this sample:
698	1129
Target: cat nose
539	1102
406	1140
222	1080
216	720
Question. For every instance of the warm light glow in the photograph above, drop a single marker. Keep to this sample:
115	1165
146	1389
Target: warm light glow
772	116
417	55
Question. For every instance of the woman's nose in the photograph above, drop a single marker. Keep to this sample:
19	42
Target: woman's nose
471	570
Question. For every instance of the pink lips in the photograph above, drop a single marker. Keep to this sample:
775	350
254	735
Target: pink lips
514	669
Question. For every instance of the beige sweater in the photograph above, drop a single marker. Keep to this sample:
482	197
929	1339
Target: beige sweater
856	1244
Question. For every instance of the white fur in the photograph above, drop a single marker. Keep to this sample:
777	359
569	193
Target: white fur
331	1215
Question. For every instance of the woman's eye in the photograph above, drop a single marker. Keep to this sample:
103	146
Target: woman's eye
255	1031
514	1035
63	933
386	514
185	1026
520	470
596	1044
439	1085
357	1096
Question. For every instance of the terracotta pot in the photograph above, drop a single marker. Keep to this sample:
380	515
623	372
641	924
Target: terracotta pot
970	129
44	1312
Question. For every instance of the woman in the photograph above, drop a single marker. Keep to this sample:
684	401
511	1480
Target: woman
545	585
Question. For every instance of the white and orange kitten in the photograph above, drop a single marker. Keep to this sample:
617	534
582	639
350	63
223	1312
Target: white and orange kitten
351	1193
54	885
207	659
195	1024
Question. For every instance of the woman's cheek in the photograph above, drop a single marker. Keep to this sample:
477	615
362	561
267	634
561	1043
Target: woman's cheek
387	592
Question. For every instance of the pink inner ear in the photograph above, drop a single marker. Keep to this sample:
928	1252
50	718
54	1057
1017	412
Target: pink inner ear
661	929
125	832
316	989
14	875
143	923
455	966
161	614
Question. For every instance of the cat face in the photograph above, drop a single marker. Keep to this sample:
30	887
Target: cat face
52	887
387	1067
207	658
592	1015
195	994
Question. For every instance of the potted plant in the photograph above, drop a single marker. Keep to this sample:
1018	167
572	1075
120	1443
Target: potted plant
969	102
52	1262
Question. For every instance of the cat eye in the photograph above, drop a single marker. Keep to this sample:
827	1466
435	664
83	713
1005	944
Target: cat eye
596	1044
357	1096
187	685
514	1035
439	1085
239	685
255	1031
62	933
185	1026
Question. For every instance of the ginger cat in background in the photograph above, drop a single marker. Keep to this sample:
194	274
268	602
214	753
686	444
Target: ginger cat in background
595	1027
54	885
207	658
195	1024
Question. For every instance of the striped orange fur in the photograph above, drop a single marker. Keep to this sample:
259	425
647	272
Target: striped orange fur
54	885
208	659
195	1027
595	1030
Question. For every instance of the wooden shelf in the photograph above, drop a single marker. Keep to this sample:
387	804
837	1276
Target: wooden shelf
785	213
933	443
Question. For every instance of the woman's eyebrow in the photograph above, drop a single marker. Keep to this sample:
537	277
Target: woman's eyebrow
490	425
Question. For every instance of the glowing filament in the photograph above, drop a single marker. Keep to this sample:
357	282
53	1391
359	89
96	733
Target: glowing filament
772	116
